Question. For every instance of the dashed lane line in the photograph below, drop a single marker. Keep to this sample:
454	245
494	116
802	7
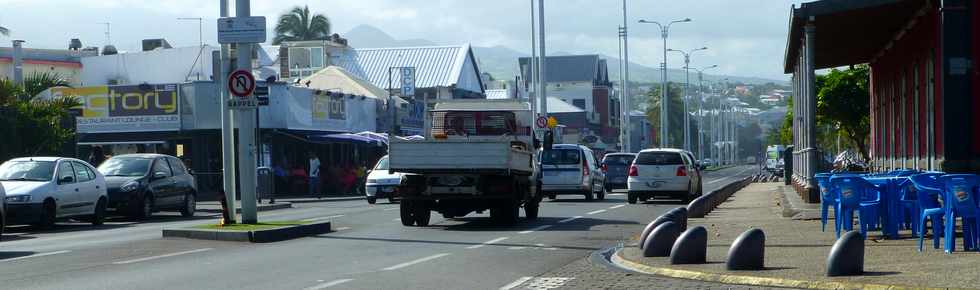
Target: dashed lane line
596	212
161	256
490	242
535	229
328	284
569	219
418	261
342	229
36	255
617	206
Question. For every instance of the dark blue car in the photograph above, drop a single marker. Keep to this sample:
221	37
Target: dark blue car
616	166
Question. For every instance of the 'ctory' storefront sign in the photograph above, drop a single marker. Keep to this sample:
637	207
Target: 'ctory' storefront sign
125	108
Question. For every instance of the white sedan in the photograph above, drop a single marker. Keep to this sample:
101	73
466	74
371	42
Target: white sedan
664	172
381	183
41	190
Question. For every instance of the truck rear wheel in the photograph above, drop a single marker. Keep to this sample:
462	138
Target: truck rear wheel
407	213
531	209
421	214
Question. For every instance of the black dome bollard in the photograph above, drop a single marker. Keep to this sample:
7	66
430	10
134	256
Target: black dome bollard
650	227
847	256
679	216
660	241
748	251
691	247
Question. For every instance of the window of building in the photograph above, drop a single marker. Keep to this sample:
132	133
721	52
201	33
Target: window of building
304	61
580	103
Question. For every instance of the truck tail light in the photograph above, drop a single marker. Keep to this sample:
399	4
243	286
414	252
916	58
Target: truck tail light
634	171
681	171
585	167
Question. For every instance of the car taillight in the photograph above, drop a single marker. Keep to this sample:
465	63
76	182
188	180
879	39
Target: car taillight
634	171
605	168
585	167
681	171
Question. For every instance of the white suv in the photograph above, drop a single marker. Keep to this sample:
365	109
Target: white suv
664	172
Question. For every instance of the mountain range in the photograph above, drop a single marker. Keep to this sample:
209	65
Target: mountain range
501	61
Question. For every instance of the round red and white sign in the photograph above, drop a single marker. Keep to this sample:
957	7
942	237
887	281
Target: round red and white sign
241	83
541	122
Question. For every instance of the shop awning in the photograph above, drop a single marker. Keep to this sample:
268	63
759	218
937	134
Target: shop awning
345	137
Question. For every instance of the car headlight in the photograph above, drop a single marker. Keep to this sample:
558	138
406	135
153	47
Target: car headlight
130	186
19	199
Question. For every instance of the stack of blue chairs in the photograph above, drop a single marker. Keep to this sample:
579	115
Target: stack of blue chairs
828	199
961	198
856	194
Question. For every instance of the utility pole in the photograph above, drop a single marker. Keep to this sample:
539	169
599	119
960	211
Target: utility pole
532	67
701	123
108	35
664	98
627	97
542	63
247	148
227	128
18	62
622	90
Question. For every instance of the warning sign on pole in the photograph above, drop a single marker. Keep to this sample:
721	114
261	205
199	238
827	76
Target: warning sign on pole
241	83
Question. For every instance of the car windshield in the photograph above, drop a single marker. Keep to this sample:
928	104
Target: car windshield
773	155
659	158
382	164
27	171
561	157
618	160
123	166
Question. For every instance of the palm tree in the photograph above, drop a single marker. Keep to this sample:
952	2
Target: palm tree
4	31
299	25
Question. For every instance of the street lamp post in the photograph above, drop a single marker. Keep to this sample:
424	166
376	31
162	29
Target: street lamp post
701	109
664	99
687	94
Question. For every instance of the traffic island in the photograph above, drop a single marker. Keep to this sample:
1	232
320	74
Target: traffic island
255	233
796	252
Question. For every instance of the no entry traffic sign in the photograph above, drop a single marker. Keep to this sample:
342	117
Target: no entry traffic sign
241	83
541	122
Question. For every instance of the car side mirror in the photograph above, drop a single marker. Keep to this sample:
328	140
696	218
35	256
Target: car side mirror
159	175
66	179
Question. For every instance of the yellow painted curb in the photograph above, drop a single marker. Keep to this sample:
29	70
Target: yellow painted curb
618	259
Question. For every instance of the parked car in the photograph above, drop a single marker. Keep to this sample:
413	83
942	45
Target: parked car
664	172
41	190
381	183
571	169
616	166
141	184
3	210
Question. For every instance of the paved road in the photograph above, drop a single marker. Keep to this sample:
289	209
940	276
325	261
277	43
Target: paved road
369	249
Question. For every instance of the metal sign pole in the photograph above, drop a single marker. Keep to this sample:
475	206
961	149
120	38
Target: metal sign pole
246	134
227	128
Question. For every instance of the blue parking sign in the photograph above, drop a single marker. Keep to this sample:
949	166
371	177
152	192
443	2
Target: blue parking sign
408	81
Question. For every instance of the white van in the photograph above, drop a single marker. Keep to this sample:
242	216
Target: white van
664	172
571	169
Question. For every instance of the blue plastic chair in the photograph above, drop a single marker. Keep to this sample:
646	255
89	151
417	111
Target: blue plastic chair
928	193
908	206
961	197
856	194
828	199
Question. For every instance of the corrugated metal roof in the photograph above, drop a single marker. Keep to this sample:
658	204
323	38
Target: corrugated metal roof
569	68
556	105
61	55
435	66
338	79
498	94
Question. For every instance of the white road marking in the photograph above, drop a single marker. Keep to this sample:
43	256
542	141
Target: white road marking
516	283
516	248
490	242
35	256
328	284
616	194
397	220
569	219
161	256
422	260
617	206
324	218
390	209
596	212
716	180
535	229
343	228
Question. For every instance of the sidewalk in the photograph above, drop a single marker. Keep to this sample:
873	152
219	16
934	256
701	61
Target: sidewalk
796	250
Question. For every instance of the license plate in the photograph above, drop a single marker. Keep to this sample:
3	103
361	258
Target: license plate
653	184
619	180
551	173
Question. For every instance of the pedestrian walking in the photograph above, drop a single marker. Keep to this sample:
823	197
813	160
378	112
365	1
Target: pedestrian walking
314	174
96	157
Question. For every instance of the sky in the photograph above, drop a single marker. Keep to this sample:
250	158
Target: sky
744	37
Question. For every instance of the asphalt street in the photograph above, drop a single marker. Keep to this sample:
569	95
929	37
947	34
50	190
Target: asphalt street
369	249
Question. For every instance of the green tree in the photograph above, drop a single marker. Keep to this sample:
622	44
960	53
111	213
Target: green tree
298	25
843	102
42	127
675	116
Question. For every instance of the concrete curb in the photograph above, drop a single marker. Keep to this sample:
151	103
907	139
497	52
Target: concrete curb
701	206
260	236
620	261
